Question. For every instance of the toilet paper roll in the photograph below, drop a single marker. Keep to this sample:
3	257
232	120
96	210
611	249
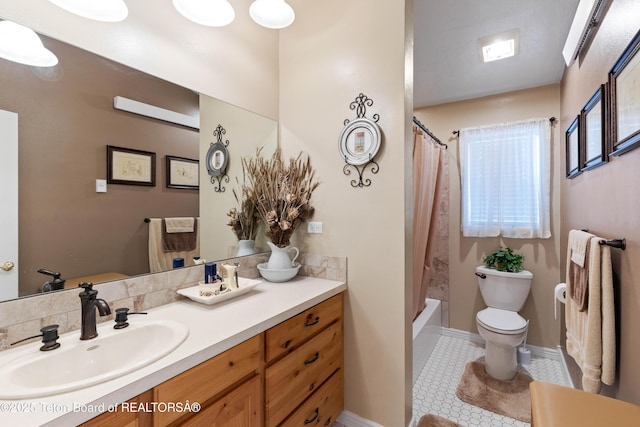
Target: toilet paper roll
559	294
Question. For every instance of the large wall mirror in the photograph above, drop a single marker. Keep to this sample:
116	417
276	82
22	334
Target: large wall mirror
66	118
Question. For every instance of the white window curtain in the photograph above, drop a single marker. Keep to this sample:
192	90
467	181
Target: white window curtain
505	179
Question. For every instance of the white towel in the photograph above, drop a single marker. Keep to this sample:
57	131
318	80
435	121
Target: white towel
179	224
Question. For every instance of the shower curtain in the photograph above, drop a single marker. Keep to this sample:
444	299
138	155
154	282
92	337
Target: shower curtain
427	179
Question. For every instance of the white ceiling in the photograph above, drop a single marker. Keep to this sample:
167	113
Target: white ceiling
447	64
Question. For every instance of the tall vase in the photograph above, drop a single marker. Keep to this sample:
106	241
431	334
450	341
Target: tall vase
280	259
246	247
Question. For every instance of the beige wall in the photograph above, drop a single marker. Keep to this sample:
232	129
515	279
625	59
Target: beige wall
605	200
237	63
334	51
465	253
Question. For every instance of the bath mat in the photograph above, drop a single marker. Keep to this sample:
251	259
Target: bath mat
510	398
431	420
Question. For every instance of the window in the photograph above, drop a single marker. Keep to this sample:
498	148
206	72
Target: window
505	180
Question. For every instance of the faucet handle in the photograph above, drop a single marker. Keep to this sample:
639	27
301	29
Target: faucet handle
121	317
88	286
49	338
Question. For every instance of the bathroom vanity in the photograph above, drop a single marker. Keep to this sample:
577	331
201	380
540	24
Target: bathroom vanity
272	357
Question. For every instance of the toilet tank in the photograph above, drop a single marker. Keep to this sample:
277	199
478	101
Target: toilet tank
500	289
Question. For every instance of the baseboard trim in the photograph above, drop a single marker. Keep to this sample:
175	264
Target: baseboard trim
349	419
537	351
565	368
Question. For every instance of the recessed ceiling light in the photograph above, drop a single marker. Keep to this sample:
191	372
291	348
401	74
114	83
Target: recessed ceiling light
499	46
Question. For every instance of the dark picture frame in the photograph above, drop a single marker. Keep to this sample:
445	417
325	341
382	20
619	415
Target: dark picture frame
594	130
182	173
625	99
572	147
130	167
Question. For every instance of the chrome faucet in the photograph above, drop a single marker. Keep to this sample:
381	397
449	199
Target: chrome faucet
89	304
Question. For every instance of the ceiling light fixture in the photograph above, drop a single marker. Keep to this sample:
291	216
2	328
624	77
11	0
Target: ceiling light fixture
98	10
499	46
21	44
211	13
273	14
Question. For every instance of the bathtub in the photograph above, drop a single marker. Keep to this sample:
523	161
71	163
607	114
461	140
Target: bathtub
426	330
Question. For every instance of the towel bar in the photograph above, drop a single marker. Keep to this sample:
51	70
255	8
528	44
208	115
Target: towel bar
615	243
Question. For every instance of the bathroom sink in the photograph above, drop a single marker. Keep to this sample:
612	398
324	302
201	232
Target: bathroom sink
78	364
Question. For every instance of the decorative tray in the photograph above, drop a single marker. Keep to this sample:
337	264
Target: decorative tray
244	286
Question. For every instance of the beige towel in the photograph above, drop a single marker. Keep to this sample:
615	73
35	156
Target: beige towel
578	245
591	333
163	261
180	224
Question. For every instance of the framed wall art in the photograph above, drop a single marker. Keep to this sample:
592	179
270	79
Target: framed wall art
131	167
182	173
624	83
593	130
572	142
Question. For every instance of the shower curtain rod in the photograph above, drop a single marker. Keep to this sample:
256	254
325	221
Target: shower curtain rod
428	132
457	132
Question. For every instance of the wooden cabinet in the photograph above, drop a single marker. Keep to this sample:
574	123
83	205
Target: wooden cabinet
208	380
127	418
241	407
314	355
290	375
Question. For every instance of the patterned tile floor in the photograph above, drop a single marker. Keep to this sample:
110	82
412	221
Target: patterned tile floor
435	390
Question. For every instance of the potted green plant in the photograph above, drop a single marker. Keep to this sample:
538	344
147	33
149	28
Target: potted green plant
504	259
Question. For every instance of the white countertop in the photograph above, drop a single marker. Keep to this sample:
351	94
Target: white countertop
212	330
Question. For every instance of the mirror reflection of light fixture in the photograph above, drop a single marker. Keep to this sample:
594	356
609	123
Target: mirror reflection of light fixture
212	13
274	14
21	44
98	10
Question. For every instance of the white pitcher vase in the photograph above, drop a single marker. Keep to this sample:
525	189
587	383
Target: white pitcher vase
246	247
280	259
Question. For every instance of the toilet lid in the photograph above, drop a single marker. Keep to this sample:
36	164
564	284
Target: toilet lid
501	321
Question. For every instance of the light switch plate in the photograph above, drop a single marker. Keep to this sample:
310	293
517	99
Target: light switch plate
314	227
101	185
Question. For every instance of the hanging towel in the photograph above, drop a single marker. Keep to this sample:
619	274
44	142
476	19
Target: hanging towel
179	225
579	282
591	333
159	260
178	240
578	240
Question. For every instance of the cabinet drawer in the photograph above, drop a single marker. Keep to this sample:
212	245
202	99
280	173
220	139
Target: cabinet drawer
287	335
239	407
323	407
204	381
292	379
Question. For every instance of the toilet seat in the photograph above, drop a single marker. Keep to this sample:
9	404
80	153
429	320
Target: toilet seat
501	321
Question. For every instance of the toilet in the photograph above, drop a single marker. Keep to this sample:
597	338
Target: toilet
502	328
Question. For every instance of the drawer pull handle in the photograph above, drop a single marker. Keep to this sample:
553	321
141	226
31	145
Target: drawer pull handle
309	323
313	359
313	417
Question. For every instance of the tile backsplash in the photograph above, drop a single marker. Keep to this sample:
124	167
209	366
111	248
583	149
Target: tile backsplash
25	316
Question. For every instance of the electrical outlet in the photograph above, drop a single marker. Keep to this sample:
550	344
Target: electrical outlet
314	227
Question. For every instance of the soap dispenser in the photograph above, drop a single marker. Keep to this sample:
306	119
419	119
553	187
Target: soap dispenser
231	275
53	285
